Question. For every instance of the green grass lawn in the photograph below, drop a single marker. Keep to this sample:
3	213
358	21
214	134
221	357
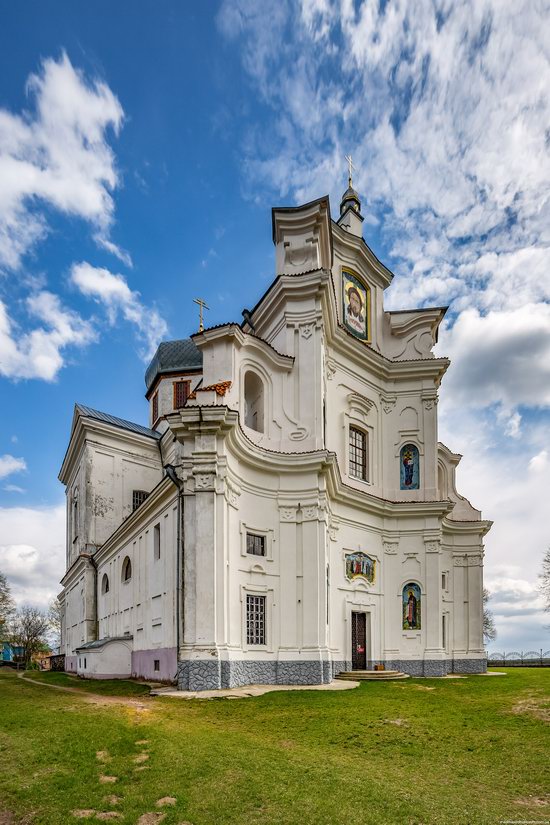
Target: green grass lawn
103	687
462	751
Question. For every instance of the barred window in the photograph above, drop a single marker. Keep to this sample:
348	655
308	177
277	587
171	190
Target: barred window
255	545
255	620
357	453
138	497
181	393
155	407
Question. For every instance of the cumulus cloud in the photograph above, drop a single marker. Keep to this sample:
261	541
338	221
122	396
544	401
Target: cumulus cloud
113	292
57	156
501	357
39	353
32	552
9	465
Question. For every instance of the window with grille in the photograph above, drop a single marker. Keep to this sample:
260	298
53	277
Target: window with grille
138	497
181	393
255	620
156	665
156	542
155	403
255	545
357	453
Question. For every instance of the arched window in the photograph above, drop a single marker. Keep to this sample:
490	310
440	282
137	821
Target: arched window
254	402
412	607
126	570
409	467
105	584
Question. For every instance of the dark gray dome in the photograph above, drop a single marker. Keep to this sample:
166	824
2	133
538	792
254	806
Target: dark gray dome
173	356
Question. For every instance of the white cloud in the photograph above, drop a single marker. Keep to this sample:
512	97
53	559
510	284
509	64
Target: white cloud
501	357
38	353
113	292
57	156
13	488
32	552
9	464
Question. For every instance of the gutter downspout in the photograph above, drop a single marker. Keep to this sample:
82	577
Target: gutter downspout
170	470
95	619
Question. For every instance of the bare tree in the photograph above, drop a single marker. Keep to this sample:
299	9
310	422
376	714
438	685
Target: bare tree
489	628
7	605
544	584
55	613
28	630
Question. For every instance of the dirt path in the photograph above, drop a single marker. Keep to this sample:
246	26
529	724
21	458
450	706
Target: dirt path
93	698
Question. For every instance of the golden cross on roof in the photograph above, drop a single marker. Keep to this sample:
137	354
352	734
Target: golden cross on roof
350	167
202	305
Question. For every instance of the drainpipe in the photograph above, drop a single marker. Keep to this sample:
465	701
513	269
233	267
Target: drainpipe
170	470
96	620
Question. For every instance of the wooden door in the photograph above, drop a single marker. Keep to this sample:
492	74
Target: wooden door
359	641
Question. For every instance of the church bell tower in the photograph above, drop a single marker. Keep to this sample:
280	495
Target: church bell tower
351	218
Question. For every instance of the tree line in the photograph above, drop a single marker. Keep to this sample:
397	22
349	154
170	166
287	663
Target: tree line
26	627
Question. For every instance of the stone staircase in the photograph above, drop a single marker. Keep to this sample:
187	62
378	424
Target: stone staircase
371	675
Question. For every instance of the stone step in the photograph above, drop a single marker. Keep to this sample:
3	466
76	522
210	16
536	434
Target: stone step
371	675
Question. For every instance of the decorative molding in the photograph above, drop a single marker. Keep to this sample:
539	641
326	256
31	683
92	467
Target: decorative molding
468	561
432	545
388	402
232	494
359	405
430	402
390	547
204	481
331	370
287	513
306	330
310	513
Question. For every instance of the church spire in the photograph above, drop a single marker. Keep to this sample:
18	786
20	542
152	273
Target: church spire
350	203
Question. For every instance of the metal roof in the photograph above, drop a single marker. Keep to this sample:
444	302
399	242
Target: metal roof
88	412
173	356
101	642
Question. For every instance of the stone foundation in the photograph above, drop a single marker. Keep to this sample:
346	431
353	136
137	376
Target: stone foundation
203	674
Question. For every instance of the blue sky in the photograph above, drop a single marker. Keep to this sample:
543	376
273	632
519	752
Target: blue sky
141	149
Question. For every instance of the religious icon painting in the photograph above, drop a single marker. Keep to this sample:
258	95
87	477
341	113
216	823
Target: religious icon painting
360	566
412	602
409	470
356	304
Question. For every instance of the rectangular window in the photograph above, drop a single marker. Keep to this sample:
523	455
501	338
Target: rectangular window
156	665
444	631
181	393
155	407
138	497
444	581
156	542
255	545
357	453
255	620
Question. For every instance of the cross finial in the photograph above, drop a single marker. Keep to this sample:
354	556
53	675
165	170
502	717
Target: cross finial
202	306
350	167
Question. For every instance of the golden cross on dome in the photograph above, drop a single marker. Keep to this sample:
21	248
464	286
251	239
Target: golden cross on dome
202	306
350	167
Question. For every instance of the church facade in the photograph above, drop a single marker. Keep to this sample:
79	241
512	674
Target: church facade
289	512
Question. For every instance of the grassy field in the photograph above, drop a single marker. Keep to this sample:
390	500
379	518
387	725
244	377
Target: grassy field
429	751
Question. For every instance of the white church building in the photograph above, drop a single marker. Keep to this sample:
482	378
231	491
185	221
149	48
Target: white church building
289	512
